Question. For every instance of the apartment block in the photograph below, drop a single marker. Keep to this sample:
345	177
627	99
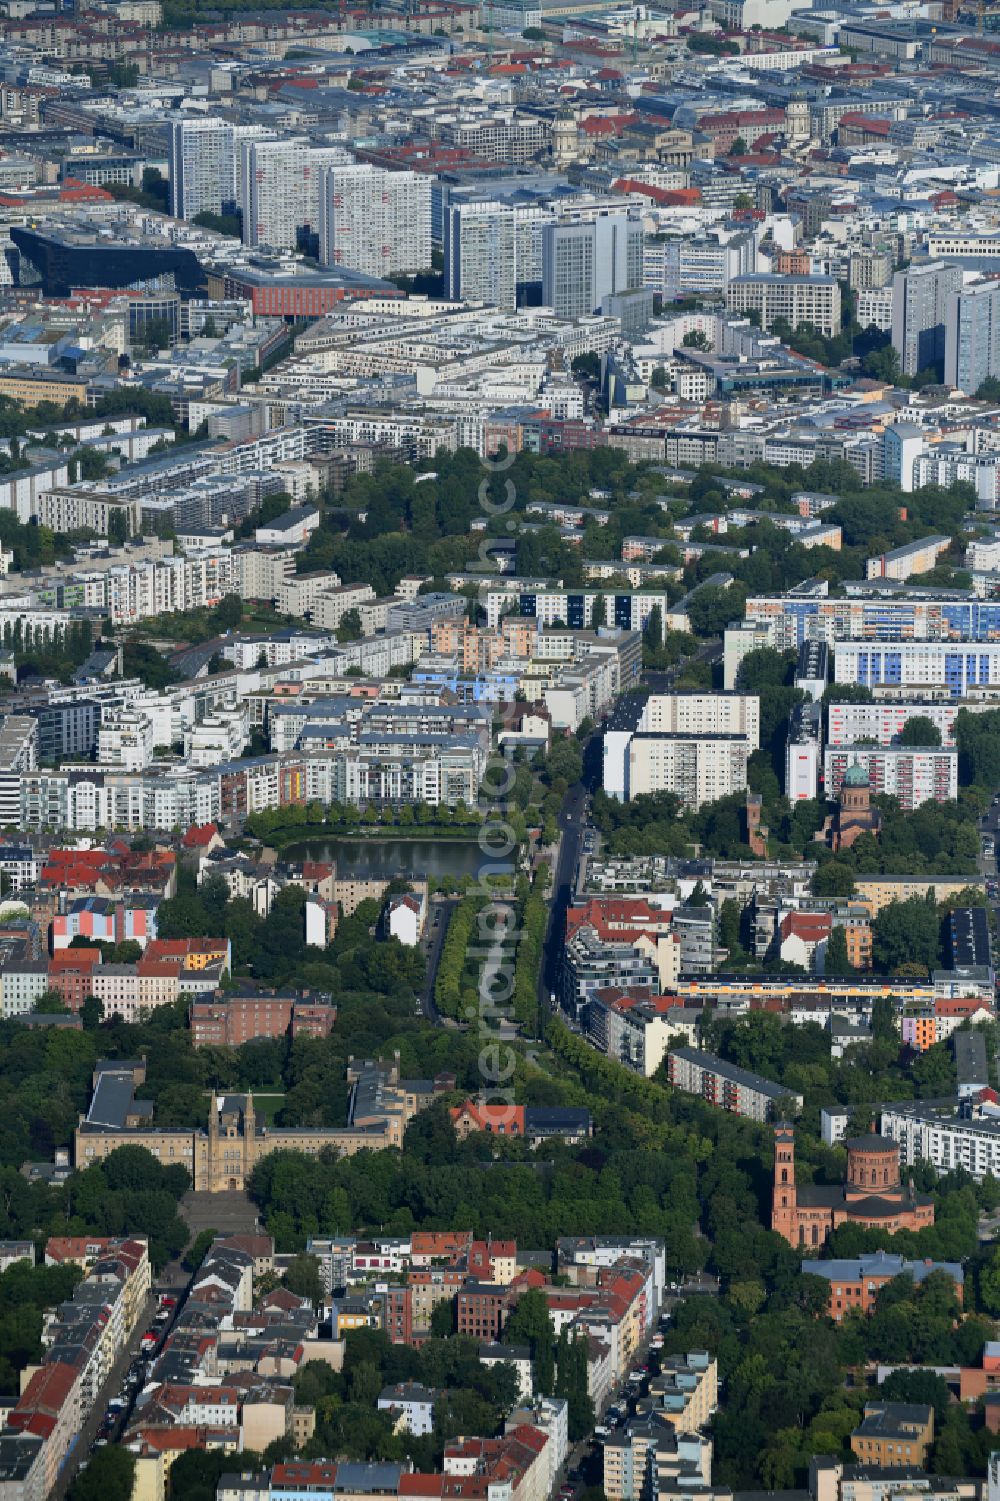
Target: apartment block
946	1136
375	221
913	774
959	668
299	591
728	1087
885	720
480	253
870	614
635	1026
84	1340
202	167
575	608
902	562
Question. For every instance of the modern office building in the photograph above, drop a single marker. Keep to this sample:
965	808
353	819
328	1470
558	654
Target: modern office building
972	336
584	263
797	299
202	167
375	221
919	298
480	253
62	261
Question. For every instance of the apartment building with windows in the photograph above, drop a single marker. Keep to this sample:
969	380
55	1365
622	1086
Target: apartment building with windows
730	1088
871	613
375	221
920	297
913	774
948	1135
885	720
953	667
202	167
480	253
699	769
696	745
280	187
575	608
902	562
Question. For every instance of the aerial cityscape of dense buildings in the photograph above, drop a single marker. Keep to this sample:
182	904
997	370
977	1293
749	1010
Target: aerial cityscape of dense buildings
499	751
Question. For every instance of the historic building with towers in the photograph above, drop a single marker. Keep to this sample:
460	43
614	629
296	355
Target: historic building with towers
873	1196
221	1155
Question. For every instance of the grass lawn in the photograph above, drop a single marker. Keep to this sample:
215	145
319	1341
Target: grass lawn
267	1103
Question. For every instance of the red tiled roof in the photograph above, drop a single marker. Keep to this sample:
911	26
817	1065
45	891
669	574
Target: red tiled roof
199	834
491	1117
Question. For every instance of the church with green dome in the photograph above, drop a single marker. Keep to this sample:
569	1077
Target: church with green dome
855	815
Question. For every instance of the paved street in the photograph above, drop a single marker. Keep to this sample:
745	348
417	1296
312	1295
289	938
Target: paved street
572	819
80	1451
433	943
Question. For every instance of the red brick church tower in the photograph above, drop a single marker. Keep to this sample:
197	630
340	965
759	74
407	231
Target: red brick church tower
784	1201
